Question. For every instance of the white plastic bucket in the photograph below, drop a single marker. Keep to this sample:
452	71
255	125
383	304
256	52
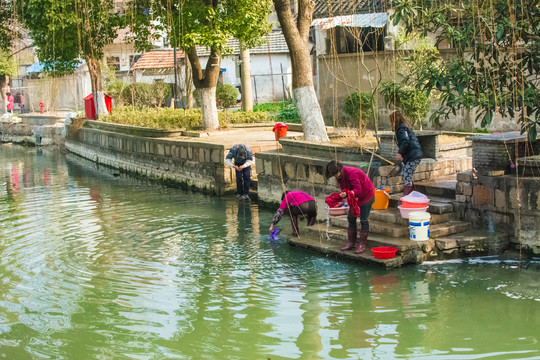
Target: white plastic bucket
419	225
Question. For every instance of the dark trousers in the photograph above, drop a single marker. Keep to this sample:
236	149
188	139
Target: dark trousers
364	215
22	109
308	210
243	180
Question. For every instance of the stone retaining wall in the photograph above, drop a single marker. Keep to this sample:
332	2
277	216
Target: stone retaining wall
428	169
502	203
195	164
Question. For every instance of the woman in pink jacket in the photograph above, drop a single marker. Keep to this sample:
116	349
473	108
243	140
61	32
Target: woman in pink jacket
357	182
10	102
296	203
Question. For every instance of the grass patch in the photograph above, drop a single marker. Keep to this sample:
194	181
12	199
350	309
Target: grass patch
271	107
171	119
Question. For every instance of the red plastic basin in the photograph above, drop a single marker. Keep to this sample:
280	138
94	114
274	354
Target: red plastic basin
413	205
384	252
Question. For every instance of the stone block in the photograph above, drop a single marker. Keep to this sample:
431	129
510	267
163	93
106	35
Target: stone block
264	166
206	153
482	195
315	176
467	189
461	198
196	154
446	244
301	173
500	199
189	153
276	171
160	149
290	170
183	153
216	156
517	199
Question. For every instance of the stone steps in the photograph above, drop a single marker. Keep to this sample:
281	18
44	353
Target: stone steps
402	230
393	216
469	243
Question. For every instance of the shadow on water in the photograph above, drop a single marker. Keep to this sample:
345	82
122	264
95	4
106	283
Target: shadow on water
98	264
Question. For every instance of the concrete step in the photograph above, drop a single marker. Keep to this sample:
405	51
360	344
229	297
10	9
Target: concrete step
402	230
442	187
339	236
393	216
314	239
448	228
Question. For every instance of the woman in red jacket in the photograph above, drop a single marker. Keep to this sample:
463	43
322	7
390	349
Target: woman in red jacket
355	180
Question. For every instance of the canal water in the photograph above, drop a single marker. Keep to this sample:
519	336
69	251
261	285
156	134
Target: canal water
99	265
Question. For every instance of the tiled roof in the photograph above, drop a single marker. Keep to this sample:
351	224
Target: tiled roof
329	8
275	43
158	59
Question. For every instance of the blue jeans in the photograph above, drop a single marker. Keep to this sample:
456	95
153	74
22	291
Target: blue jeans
364	215
243	180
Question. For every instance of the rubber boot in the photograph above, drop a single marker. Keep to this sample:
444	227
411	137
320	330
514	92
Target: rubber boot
363	241
407	189
351	239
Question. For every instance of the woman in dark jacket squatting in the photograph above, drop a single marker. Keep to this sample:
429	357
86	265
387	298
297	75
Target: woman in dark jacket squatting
357	182
409	152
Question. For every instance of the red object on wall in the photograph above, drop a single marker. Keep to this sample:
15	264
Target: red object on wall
90	109
280	130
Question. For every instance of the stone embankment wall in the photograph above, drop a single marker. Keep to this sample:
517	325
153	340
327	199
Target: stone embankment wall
35	129
502	203
195	164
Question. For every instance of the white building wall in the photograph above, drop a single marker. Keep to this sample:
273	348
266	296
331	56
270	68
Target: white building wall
267	82
64	93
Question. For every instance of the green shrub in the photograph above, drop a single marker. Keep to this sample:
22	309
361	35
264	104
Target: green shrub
289	114
226	96
169	119
271	107
359	106
414	103
243	117
146	95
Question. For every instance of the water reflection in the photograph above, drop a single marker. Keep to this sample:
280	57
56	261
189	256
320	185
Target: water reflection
96	264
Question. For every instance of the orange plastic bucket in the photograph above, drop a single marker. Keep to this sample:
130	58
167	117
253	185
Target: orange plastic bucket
382	197
280	130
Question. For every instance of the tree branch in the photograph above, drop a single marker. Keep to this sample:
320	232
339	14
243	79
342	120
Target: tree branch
18	51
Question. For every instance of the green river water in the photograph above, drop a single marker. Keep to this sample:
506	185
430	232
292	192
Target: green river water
97	265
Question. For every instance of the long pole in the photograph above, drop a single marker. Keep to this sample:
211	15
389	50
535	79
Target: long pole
175	92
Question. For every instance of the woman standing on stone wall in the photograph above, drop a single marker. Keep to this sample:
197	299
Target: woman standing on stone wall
409	152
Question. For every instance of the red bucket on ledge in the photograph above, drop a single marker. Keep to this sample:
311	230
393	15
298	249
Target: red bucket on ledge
280	130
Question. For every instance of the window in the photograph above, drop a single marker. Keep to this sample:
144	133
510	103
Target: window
133	59
346	40
113	61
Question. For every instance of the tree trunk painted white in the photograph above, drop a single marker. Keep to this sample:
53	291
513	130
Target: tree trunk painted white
245	76
309	111
207	99
99	103
189	85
